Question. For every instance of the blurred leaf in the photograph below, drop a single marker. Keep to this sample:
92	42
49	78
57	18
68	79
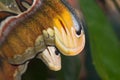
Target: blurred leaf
36	70
70	68
104	43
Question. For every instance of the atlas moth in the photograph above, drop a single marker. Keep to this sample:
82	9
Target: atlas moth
44	30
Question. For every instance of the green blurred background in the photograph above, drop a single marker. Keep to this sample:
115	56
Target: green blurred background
104	43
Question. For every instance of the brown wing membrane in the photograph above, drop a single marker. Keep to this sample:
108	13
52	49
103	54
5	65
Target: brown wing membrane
5	14
21	37
21	6
10	72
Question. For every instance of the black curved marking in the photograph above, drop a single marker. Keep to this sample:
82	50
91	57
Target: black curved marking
73	12
30	2
5	14
20	5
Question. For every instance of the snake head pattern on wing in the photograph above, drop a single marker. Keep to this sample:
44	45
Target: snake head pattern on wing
43	29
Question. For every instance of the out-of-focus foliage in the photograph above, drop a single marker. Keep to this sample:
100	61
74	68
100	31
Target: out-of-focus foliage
105	46
70	68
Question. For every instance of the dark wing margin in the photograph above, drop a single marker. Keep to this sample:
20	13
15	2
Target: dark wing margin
5	14
21	6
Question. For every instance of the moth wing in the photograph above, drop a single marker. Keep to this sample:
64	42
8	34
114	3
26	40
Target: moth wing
10	72
14	43
24	4
5	14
